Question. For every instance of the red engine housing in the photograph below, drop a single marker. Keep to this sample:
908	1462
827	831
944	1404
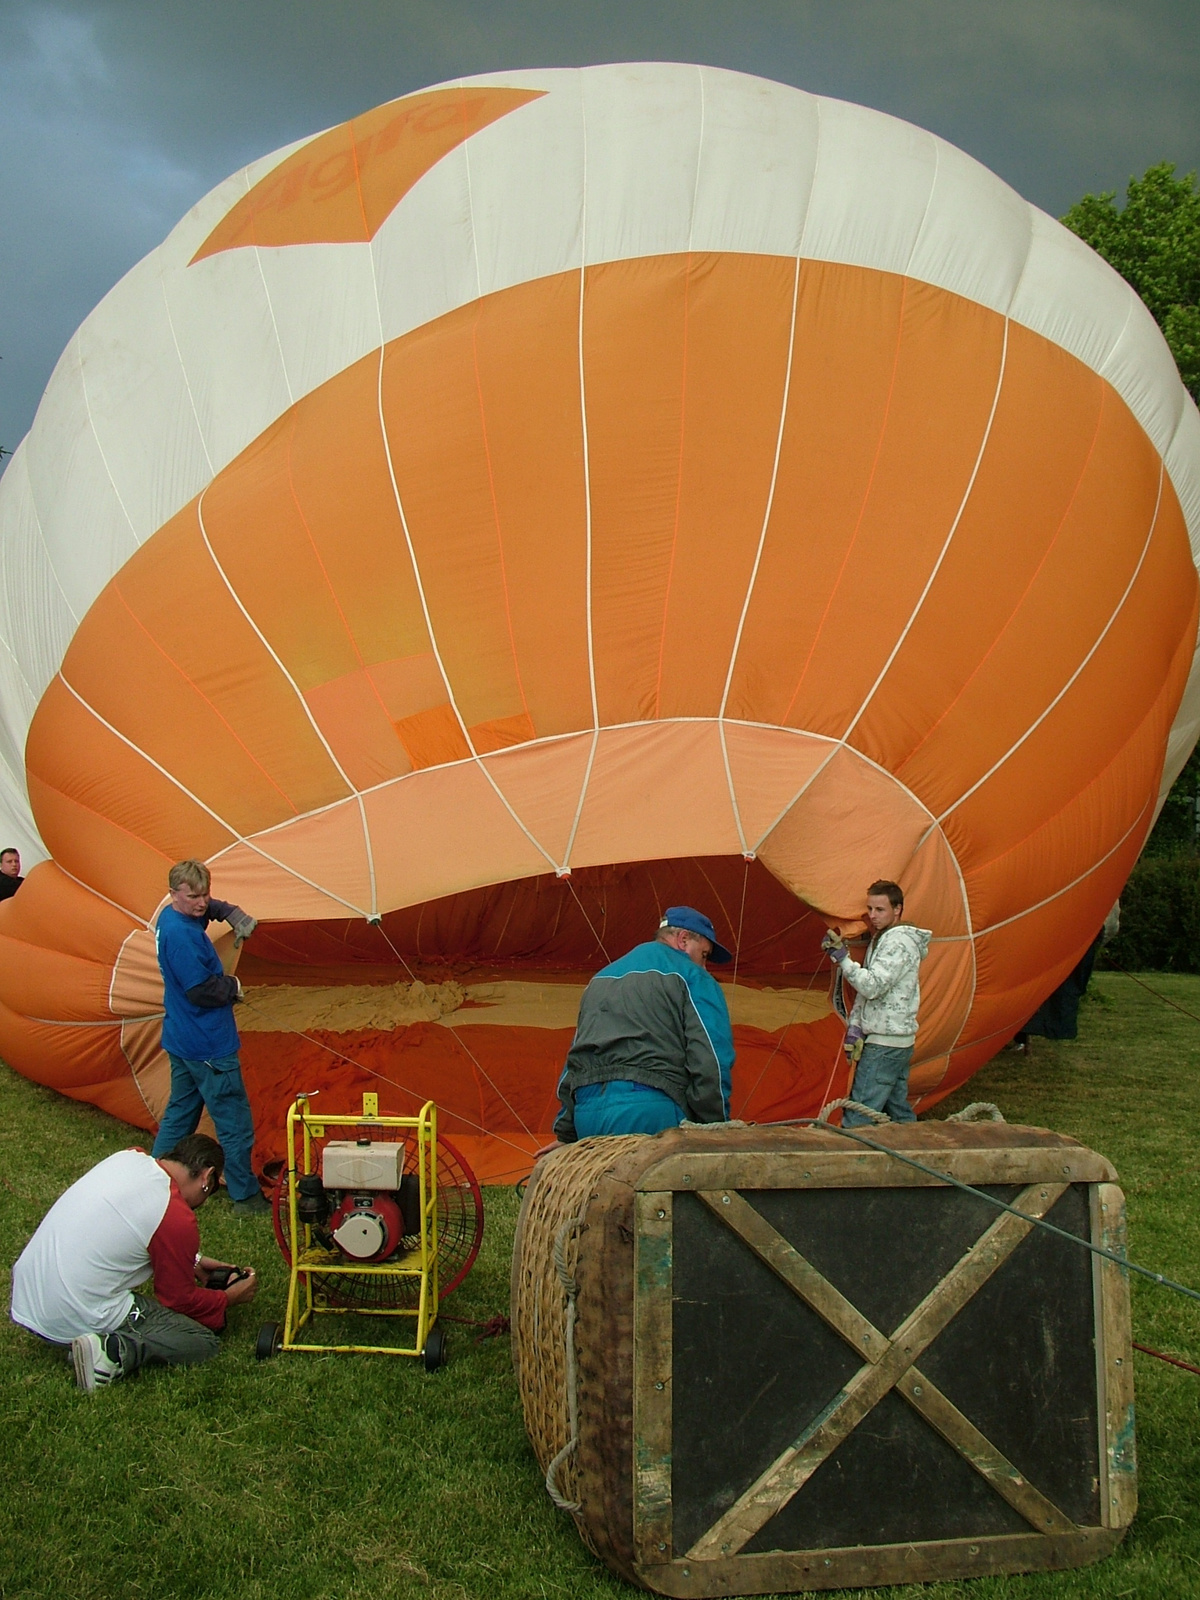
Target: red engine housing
366	1226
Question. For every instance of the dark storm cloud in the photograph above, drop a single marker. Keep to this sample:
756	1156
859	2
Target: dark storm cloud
115	117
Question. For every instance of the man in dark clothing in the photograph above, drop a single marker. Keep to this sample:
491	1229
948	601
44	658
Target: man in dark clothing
199	1033
74	1284
10	872
653	1045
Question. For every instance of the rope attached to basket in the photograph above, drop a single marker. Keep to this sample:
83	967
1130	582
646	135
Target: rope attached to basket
571	1285
977	1111
852	1105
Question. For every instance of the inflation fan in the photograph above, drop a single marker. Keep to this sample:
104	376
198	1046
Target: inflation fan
375	1216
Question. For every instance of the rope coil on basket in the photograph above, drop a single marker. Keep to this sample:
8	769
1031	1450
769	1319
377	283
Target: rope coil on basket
571	1285
852	1105
977	1111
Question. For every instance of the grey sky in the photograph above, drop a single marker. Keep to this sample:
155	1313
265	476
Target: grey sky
116	115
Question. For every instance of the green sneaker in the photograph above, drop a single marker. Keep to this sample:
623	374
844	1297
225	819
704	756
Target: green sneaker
256	1206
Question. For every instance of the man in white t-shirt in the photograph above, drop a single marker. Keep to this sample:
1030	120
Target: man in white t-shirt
129	1217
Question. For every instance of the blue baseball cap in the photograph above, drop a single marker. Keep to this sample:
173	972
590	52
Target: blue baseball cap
696	922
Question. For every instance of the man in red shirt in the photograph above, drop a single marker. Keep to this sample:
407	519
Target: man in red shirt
129	1217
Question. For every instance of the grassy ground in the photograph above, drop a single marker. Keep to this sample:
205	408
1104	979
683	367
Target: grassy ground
355	1477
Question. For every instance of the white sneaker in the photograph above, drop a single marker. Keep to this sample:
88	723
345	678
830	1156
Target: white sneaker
94	1367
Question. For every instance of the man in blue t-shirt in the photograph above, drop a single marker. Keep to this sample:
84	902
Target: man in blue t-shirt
653	1045
199	1033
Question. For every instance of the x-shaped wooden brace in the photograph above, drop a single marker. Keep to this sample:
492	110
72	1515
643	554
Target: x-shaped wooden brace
890	1364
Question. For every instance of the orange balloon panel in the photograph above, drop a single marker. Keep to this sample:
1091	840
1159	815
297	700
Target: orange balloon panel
709	577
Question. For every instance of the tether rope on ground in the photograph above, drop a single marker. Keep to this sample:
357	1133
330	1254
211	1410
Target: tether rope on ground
1001	1205
1121	1261
1174	1004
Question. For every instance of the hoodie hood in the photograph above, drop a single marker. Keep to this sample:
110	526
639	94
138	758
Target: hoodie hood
919	938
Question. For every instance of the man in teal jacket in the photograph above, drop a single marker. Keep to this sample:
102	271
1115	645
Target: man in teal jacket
653	1045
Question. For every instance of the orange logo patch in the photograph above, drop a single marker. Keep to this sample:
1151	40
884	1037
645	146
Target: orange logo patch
340	187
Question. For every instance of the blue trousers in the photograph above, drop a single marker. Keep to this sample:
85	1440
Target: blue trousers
217	1085
881	1082
623	1107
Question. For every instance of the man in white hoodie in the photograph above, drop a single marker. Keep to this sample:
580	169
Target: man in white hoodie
882	1024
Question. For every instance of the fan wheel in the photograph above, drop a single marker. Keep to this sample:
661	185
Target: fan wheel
270	1338
434	1353
459	1232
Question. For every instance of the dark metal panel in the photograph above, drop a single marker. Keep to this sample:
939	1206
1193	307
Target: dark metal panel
752	1365
1020	1361
894	1478
885	1249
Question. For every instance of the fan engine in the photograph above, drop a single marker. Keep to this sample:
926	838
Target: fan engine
362	1204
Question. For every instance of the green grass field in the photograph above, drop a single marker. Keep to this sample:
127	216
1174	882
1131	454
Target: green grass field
358	1476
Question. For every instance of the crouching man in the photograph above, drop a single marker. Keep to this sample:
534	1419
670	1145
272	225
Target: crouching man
653	1045
129	1217
882	1024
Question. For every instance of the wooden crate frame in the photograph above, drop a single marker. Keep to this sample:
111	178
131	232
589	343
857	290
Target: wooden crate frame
713	1565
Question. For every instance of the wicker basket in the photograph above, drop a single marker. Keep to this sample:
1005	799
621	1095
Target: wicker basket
702	1319
562	1185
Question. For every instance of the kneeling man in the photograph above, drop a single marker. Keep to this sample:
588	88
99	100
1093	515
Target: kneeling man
653	1045
128	1217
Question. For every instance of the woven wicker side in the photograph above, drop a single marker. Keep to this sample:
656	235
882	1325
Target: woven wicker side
558	1191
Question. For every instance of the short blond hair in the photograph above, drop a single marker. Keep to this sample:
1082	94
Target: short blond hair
194	873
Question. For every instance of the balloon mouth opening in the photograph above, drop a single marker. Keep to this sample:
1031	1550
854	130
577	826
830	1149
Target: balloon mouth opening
471	1000
549	927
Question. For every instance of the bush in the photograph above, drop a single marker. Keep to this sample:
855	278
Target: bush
1160	917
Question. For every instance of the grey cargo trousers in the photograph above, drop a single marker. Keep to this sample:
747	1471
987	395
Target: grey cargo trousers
153	1336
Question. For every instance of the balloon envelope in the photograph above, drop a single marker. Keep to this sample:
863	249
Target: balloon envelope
559	495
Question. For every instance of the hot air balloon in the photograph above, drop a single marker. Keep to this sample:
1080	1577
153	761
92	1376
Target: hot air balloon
556	495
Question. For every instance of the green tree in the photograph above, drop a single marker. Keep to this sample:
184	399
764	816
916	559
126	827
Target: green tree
1153	241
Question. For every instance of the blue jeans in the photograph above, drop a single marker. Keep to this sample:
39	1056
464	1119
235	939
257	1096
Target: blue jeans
217	1085
623	1107
881	1082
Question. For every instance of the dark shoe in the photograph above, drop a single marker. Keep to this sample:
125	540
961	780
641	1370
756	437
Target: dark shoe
256	1206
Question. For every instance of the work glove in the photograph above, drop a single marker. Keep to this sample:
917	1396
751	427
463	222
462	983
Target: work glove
853	1043
834	946
243	926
